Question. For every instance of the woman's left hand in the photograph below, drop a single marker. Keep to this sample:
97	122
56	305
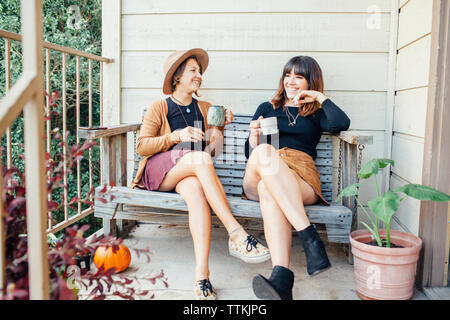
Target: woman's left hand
308	96
228	117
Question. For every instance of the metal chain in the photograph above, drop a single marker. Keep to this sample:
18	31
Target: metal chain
361	148
340	166
134	134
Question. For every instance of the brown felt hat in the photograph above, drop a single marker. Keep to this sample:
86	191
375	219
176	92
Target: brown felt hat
177	58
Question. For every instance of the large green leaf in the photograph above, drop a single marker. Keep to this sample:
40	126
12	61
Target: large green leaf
350	191
385	206
373	166
421	192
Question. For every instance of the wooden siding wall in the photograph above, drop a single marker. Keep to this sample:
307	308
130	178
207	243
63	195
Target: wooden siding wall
249	42
412	71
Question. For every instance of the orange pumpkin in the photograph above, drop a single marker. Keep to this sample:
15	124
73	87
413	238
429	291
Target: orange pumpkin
108	259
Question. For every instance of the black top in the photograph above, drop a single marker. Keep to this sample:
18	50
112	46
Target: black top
306	133
178	115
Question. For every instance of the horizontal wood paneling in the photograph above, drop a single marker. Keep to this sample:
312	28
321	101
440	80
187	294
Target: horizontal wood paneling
246	102
407	152
262	31
410	112
262	70
412	72
414	21
208	6
413	64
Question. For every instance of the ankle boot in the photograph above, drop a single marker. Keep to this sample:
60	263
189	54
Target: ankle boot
277	287
316	256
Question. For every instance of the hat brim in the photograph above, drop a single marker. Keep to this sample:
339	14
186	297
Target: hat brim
203	60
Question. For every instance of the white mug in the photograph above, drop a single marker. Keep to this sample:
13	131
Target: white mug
269	125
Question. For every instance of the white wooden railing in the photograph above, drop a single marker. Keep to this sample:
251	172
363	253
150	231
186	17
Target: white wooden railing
27	96
50	50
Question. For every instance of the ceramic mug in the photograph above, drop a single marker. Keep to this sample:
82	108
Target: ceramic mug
269	125
216	116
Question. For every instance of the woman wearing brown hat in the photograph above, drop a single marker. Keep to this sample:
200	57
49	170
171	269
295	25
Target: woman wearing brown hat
284	178
178	157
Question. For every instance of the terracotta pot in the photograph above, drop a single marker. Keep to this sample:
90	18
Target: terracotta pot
385	273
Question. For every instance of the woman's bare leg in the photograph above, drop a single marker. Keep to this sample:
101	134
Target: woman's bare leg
277	229
199	164
191	191
285	186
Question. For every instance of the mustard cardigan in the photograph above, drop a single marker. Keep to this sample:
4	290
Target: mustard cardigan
156	136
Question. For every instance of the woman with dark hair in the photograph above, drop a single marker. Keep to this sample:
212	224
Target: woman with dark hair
177	144
284	178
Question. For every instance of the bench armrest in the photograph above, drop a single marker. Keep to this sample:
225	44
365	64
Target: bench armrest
95	132
355	137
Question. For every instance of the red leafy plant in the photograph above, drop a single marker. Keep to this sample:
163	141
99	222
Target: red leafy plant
66	278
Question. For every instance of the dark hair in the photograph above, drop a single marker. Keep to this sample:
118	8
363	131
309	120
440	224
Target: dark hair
308	68
177	74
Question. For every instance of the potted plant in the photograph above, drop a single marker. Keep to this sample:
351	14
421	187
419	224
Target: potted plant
384	259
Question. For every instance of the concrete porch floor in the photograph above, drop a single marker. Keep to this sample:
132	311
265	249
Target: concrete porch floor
173	252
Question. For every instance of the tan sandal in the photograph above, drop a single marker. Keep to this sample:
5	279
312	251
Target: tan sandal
250	250
203	290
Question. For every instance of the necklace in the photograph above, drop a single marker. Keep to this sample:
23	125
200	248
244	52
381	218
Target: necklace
289	115
187	110
179	102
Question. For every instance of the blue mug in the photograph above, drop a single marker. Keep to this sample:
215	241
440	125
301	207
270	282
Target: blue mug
216	116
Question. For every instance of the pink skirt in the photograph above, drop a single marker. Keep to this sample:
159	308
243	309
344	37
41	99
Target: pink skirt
158	165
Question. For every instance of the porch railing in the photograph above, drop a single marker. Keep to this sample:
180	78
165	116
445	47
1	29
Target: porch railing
52	51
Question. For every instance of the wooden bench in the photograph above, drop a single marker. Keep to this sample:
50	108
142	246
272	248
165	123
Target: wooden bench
124	204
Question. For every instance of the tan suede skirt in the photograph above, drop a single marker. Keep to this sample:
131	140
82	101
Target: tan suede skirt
303	164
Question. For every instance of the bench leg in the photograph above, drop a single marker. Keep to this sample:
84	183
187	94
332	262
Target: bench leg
348	251
337	232
117	227
109	227
124	227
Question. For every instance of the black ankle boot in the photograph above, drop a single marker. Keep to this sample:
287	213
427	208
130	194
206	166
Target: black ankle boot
316	256
277	287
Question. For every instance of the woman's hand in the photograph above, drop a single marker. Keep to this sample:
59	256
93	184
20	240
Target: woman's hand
308	96
255	131
228	117
190	134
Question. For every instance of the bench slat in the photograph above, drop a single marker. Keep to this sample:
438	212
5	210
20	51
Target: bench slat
241	166
230	173
230	181
240	150
234	166
233	141
237	181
